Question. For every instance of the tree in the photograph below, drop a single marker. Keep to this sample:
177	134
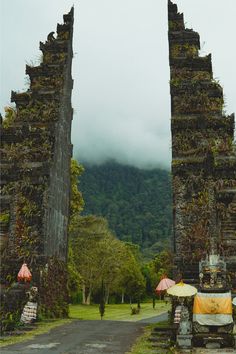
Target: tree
76	200
130	281
102	301
76	206
136	202
84	237
74	278
100	257
163	263
96	252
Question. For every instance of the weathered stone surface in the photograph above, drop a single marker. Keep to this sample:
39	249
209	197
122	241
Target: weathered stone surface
203	155
35	171
213	345
184	341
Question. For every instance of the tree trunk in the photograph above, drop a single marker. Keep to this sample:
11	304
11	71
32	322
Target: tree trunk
88	297
107	295
153	301
84	294
138	304
123	297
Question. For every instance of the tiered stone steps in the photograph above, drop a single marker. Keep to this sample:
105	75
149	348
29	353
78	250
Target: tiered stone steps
207	340
162	338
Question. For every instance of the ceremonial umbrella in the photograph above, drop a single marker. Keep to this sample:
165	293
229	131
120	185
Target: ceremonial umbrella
24	273
164	284
182	290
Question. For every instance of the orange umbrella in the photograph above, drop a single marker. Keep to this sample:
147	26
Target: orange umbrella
24	273
164	284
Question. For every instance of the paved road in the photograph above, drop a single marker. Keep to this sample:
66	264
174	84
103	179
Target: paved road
158	318
93	337
82	337
85	337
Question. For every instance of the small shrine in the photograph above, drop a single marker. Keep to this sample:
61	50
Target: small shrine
203	315
212	274
212	310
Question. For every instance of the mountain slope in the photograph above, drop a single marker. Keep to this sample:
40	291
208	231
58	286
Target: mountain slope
137	203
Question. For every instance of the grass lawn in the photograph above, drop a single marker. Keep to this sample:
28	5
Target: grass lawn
121	312
143	345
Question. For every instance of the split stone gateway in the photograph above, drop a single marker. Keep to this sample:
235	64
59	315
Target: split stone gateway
35	177
203	156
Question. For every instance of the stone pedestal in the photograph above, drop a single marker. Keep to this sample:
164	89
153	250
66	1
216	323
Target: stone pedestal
184	340
213	345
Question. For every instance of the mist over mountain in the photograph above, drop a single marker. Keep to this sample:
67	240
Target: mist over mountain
136	202
121	94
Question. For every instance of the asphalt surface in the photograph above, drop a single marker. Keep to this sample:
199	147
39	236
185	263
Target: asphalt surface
156	319
82	337
85	337
93	337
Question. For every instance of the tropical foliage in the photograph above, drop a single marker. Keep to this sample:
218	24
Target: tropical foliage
99	257
96	256
136	202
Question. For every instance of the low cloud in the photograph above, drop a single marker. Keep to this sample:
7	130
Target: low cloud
120	68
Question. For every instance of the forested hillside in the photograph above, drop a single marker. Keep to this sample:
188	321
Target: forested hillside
136	202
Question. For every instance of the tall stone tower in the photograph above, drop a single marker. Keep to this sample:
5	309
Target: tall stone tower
35	175
203	155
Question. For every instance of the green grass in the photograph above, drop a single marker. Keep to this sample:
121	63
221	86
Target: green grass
42	327
121	312
143	345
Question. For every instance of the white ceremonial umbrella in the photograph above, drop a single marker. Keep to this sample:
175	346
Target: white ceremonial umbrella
182	290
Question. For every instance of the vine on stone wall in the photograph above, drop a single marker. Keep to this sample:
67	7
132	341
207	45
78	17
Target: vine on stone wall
199	102
39	111
195	242
194	76
53	289
184	50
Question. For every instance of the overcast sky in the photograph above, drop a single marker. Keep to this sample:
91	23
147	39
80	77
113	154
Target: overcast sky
120	68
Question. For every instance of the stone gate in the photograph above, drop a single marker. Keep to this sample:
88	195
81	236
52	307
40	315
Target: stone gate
35	176
203	155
